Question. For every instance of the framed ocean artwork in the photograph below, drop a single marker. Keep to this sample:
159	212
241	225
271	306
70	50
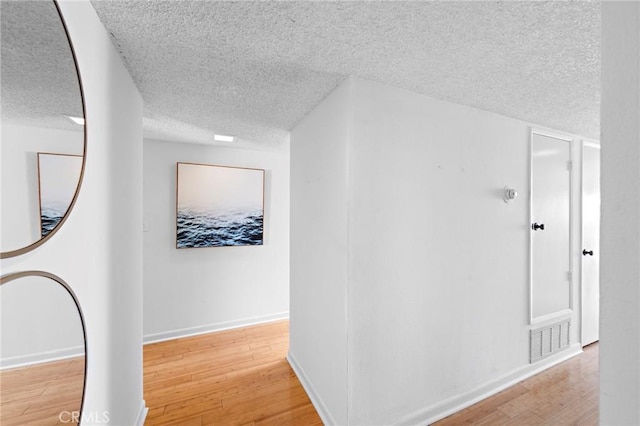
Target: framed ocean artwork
58	176
219	206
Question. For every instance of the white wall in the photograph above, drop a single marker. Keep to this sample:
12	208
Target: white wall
318	324
98	251
437	263
205	289
620	230
20	224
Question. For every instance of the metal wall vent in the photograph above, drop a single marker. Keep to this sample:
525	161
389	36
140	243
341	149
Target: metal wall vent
549	340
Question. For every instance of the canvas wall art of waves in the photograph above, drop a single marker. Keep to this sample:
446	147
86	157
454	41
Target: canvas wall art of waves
219	206
58	177
50	216
215	229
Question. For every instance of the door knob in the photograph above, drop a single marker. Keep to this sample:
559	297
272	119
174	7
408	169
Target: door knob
537	226
585	252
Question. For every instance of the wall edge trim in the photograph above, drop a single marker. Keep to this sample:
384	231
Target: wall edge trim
458	402
317	402
211	328
142	414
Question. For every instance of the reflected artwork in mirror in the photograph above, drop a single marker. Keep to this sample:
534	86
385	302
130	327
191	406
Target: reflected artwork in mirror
41	93
58	176
42	351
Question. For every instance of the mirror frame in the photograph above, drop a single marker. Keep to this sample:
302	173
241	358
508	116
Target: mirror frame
42	240
4	279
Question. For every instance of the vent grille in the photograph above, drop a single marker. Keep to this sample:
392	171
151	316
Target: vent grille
549	340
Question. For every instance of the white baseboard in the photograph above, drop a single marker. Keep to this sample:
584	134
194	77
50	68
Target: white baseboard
210	328
452	405
142	414
76	351
317	402
41	357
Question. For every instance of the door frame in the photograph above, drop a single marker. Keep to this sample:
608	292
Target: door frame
566	312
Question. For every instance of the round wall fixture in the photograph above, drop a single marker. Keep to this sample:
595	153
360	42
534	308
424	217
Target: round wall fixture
509	194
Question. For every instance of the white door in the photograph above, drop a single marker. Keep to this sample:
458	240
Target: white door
550	226
590	242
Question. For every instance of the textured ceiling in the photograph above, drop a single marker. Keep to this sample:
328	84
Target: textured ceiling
254	69
38	79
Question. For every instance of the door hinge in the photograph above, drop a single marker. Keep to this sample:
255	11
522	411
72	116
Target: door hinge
569	165
569	276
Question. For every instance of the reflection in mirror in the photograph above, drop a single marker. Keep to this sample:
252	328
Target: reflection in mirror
40	91
57	181
42	355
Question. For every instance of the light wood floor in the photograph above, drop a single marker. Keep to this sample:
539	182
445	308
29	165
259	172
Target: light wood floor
38	394
241	377
236	377
566	394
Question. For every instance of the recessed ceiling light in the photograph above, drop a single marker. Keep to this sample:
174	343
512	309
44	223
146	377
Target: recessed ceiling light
223	138
76	120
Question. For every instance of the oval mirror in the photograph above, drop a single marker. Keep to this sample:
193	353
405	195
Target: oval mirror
42	148
42	351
